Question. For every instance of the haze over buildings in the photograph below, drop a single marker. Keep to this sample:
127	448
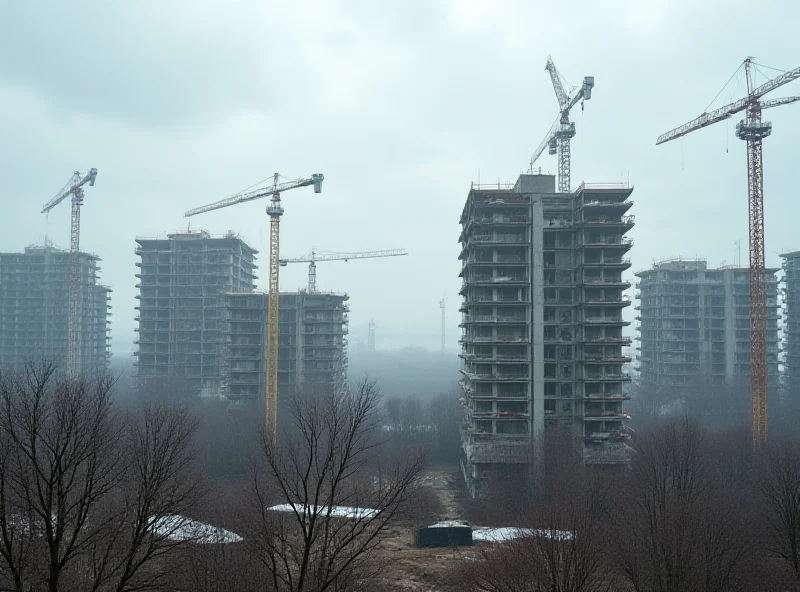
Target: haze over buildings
791	325
34	308
181	279
312	343
694	324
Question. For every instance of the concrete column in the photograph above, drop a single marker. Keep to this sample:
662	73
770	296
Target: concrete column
730	326
537	336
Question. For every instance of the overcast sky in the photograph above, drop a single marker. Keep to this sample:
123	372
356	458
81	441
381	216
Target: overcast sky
399	104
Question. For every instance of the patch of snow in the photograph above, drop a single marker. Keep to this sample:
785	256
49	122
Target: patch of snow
336	511
180	528
508	533
450	524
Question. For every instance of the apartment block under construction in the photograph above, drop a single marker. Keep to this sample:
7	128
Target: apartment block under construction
312	345
542	325
34	308
694	325
791	325
182	279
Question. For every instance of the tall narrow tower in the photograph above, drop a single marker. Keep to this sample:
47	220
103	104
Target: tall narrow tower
371	335
442	304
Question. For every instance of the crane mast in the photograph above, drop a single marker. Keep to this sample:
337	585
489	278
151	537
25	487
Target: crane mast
73	188
752	130
274	211
313	257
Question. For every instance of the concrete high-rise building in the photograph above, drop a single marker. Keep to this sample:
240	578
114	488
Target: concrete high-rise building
694	325
182	279
542	325
34	308
312	346
791	325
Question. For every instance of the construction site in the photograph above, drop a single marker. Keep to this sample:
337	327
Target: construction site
542	320
545	342
694	325
34	308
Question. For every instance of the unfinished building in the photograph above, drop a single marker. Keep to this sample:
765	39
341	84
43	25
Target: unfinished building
312	342
542	325
182	279
34	308
791	324
694	325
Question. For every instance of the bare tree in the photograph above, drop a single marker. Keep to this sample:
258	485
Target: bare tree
87	497
330	458
780	498
503	567
564	547
675	528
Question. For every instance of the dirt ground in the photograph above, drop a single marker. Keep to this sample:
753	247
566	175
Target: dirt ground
425	570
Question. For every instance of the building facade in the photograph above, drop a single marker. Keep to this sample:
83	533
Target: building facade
791	324
694	325
182	279
34	309
312	342
542	301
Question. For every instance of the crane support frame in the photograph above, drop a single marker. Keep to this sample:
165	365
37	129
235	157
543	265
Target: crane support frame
273	299
73	322
758	294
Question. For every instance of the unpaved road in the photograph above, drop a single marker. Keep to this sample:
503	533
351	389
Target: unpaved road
425	570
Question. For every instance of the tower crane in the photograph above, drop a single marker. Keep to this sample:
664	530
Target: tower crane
74	188
313	257
562	131
275	211
752	130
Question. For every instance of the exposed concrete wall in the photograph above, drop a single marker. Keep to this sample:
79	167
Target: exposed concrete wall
535	184
537	335
730	326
